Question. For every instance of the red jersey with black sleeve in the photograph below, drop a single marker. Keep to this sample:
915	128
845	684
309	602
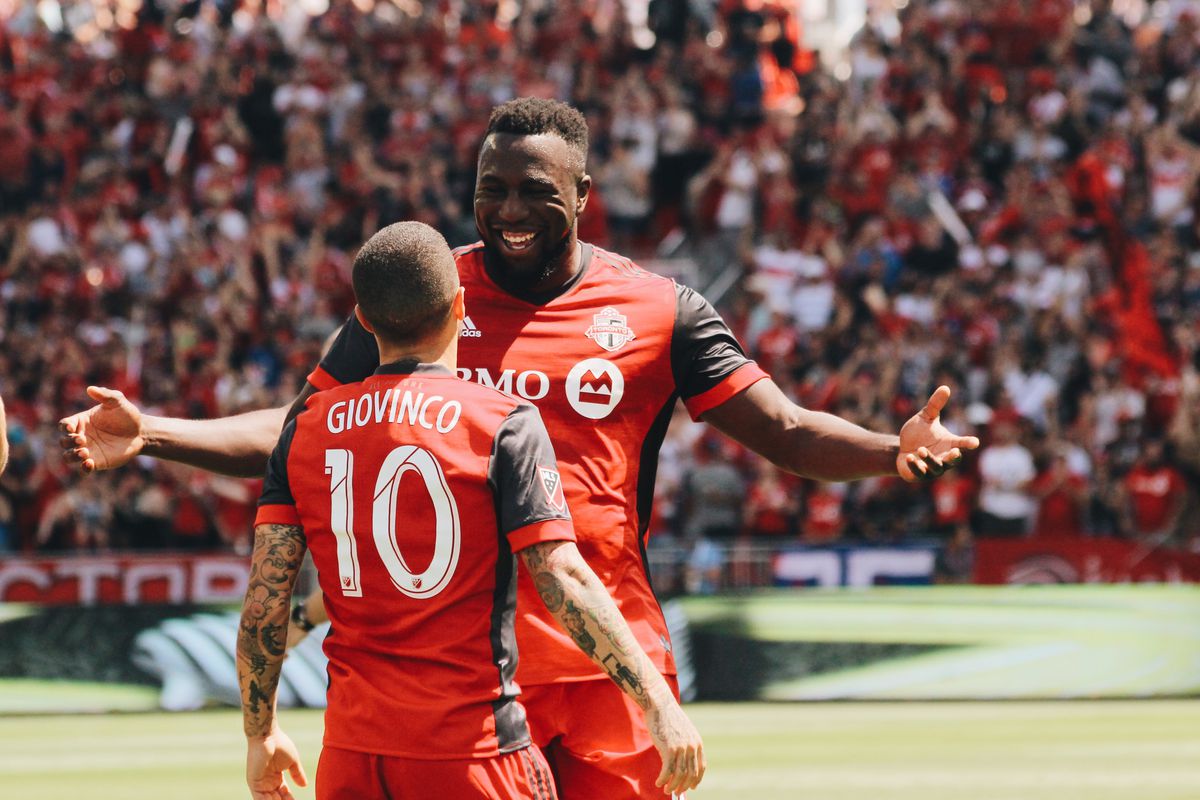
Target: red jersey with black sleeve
604	358
414	489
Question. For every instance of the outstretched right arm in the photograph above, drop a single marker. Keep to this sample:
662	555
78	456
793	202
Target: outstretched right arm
108	435
112	433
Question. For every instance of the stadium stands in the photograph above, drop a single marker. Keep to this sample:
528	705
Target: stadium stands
1000	196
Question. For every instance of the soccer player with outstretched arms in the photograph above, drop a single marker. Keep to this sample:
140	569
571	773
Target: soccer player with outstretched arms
604	349
413	489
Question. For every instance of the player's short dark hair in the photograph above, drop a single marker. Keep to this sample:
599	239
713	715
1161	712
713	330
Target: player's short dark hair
405	280
530	116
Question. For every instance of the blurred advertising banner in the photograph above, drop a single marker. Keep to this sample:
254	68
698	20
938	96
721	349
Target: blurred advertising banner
855	566
1081	560
947	642
123	580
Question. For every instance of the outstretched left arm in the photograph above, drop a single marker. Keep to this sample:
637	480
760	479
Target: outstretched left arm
262	639
817	445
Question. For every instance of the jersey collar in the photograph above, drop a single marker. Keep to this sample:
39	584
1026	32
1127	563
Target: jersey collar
410	366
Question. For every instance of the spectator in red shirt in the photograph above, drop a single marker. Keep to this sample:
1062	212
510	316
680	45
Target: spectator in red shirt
953	499
772	505
824	517
1062	497
1154	495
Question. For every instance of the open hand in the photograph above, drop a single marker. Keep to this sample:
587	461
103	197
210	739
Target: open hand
267	758
105	436
927	449
679	744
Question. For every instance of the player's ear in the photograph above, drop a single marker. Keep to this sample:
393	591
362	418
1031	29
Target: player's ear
459	304
582	187
362	320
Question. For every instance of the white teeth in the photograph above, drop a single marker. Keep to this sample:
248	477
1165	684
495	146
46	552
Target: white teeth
517	241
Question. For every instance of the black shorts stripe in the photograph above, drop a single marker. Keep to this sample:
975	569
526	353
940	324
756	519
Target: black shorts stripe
551	789
533	775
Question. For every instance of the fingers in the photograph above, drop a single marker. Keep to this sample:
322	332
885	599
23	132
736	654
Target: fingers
683	769
937	401
296	770
966	442
109	398
916	467
75	451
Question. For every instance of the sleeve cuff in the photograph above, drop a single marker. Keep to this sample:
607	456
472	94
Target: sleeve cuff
734	383
276	515
322	379
550	530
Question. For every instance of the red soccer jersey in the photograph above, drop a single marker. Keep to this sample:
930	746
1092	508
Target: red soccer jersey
414	490
604	359
1152	493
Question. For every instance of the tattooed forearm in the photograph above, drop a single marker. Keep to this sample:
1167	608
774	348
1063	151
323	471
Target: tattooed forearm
572	618
623	675
577	598
262	633
550	590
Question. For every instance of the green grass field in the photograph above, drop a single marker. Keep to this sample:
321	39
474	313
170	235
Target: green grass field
1097	750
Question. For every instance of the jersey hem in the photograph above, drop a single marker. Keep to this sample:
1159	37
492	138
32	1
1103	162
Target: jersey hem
599	676
276	514
425	755
735	383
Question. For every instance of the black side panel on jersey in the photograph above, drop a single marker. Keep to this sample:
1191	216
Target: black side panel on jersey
703	349
353	356
512	732
520	447
648	463
276	491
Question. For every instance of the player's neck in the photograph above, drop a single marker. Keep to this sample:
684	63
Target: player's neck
441	350
565	269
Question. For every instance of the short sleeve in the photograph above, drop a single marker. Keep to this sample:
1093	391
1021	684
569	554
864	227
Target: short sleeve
353	356
276	506
707	362
530	504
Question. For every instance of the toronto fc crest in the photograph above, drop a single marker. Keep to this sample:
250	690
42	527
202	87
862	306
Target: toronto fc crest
609	330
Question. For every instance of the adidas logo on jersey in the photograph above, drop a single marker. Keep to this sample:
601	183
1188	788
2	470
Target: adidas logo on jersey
469	330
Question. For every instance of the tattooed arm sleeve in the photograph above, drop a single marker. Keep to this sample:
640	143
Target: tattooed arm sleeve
581	604
262	634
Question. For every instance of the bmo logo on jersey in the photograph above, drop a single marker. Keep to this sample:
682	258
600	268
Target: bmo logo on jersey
594	387
530	383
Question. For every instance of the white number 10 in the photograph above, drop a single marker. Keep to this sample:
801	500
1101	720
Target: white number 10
339	466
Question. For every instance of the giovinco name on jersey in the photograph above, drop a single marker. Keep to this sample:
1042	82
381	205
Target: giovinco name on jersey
431	412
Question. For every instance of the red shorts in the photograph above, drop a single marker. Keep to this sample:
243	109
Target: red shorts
350	775
595	739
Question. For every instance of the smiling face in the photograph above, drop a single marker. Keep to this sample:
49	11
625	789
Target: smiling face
529	192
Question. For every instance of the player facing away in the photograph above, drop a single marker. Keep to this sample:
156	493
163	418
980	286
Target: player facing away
413	489
604	349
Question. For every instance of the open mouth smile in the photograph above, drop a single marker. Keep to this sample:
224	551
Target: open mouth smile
518	240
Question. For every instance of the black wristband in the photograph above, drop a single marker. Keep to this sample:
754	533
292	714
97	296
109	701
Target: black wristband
300	618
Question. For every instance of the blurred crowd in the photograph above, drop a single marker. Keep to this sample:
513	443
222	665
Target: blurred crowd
998	195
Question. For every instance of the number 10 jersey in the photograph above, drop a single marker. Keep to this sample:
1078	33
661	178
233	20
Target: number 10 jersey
414	489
